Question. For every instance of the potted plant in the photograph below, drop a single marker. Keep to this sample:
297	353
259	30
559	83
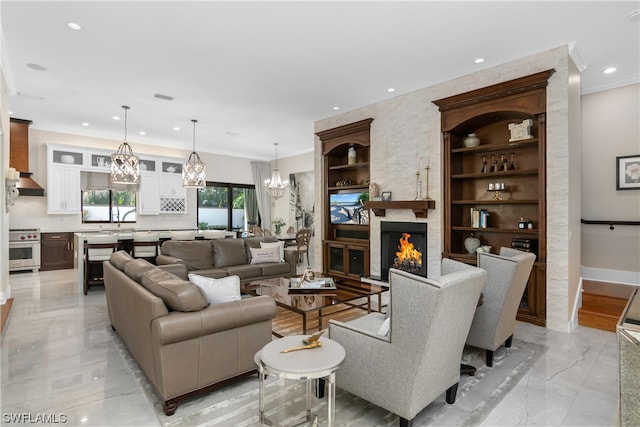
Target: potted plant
278	223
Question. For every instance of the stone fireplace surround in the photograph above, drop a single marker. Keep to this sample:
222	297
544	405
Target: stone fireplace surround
408	127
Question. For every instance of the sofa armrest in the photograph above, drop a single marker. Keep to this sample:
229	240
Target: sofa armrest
292	258
179	270
168	259
179	326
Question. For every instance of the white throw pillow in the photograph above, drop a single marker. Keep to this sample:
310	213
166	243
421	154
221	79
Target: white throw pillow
218	290
263	255
279	245
384	328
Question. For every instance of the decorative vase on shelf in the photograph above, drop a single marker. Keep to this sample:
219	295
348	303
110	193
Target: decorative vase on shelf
471	243
351	156
471	140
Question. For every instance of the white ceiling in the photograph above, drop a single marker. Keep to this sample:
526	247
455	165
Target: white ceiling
253	73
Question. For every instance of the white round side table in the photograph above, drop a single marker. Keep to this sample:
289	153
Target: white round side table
309	364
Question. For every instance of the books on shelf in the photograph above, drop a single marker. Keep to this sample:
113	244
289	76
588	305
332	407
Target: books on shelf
525	245
480	218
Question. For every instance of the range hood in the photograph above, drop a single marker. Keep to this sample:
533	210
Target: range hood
19	157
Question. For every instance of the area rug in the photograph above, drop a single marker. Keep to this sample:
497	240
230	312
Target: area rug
237	404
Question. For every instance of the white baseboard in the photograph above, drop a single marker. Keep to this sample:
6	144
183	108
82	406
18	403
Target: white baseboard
4	296
573	322
612	276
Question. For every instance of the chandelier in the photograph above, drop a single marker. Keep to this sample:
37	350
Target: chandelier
193	175
124	164
276	186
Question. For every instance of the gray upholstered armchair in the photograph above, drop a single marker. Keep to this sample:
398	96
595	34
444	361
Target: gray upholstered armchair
419	358
495	319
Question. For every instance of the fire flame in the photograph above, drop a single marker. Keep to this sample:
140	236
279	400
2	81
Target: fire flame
407	253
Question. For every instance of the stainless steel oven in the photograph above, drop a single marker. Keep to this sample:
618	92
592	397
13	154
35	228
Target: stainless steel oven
24	249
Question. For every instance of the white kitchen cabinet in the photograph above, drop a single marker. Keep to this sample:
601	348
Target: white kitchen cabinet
63	190
173	196
149	194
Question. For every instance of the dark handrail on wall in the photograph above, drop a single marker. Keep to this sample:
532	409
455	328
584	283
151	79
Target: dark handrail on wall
609	223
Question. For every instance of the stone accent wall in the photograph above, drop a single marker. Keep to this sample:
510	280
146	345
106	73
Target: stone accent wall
405	134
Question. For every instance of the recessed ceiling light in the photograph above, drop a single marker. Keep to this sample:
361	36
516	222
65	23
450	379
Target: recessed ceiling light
116	118
478	61
336	108
176	128
74	26
10	112
85	124
142	132
36	67
391	90
609	70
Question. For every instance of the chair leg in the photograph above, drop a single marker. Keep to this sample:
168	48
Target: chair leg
489	358
405	422
509	341
450	395
86	278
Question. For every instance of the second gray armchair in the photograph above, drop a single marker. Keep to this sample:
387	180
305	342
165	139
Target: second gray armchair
495	320
419	358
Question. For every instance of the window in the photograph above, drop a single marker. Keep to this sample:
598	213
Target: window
115	206
224	206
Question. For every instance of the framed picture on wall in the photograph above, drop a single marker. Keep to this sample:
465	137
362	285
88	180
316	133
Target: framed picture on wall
386	196
628	172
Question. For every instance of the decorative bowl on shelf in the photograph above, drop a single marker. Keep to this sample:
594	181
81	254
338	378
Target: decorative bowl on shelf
67	158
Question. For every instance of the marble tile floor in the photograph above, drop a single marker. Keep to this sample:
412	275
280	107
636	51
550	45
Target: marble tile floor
58	357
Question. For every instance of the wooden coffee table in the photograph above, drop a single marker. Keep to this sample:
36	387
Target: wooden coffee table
324	303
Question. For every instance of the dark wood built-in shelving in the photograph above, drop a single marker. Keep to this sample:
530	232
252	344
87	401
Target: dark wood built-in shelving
488	112
345	247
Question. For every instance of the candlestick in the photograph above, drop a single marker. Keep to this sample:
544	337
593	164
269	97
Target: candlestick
426	182
417	186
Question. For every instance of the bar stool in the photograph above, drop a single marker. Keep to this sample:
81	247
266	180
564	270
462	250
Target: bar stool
145	245
98	248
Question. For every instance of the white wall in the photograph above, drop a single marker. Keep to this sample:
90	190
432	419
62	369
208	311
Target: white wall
5	290
295	164
611	128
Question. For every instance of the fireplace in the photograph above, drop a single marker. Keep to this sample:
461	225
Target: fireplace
403	246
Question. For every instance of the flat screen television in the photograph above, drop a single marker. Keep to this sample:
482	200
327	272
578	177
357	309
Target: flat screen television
348	208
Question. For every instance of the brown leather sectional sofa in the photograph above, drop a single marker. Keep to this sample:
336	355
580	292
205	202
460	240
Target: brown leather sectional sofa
219	258
183	344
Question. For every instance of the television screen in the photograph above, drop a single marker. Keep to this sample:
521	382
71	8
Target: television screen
348	208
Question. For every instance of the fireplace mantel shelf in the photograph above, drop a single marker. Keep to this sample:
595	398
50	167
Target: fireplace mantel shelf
419	207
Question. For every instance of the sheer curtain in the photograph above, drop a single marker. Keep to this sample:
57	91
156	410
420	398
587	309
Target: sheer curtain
261	172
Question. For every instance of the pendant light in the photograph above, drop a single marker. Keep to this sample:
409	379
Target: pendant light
125	166
276	186
193	172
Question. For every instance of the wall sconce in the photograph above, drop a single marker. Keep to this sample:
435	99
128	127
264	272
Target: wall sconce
11	182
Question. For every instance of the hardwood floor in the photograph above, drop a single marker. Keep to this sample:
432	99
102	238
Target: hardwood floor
287	322
602	304
4	313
